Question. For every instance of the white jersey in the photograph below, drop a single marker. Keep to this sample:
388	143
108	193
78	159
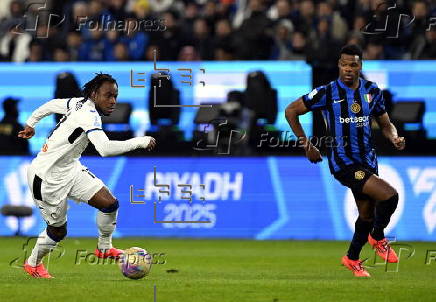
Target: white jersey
64	146
58	160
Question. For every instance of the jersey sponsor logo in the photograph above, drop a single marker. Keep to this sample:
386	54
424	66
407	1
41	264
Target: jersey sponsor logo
354	119
355	107
312	94
359	175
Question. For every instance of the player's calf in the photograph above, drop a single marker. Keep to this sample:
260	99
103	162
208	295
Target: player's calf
360	237
46	242
383	212
106	222
57	233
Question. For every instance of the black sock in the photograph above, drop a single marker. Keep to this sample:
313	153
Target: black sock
360	237
383	212
378	233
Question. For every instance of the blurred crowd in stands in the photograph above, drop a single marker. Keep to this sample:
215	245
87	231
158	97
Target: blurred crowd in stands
129	30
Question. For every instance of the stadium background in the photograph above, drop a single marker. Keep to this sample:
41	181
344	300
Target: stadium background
245	197
253	188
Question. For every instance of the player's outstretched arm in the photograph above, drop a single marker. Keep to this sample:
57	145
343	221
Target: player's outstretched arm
292	113
390	132
106	147
53	106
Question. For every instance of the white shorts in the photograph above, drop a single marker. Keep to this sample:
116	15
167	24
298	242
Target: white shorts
52	199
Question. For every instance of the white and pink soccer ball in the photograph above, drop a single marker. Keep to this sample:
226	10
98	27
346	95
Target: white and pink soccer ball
135	263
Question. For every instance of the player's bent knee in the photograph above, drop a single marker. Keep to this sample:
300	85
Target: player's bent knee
391	195
111	208
57	233
366	217
394	200
387	193
394	193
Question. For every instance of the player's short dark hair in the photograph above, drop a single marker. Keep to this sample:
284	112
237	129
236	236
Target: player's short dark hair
352	49
96	83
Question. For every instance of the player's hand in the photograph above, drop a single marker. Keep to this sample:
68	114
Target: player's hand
150	143
27	133
399	142
312	153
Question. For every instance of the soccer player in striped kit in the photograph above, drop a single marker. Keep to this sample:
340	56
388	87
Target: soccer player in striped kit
347	105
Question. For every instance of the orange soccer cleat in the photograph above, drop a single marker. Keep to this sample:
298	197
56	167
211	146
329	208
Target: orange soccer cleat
38	271
383	249
355	266
109	253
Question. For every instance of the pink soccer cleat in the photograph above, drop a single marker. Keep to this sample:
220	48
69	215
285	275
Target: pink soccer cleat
38	271
108	253
383	249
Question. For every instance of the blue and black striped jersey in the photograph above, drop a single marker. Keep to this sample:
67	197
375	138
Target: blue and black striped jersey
347	113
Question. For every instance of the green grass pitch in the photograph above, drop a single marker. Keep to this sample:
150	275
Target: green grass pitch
222	271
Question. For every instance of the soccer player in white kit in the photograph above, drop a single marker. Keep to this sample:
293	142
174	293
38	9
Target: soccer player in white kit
56	174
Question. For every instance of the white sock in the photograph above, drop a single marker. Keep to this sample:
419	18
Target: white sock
106	225
43	246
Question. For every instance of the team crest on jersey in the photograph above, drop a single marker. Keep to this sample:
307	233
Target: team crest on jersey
355	107
359	175
78	105
368	98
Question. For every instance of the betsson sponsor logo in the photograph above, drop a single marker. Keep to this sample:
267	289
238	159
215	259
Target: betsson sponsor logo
354	119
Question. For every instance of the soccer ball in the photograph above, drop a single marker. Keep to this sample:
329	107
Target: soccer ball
135	263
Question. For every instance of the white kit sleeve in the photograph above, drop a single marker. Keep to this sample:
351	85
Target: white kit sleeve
54	106
106	147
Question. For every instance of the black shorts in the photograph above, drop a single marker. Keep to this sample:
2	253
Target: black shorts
354	177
